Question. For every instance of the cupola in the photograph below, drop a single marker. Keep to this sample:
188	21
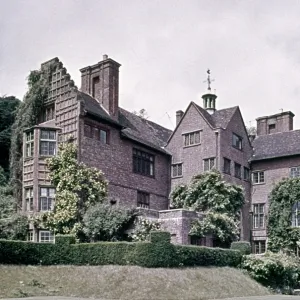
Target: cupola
209	97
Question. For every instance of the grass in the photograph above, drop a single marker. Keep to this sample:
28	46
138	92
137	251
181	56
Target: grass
126	282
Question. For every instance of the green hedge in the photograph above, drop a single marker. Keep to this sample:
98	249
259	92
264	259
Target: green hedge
243	247
159	252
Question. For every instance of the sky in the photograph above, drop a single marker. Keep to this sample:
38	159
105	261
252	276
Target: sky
165	48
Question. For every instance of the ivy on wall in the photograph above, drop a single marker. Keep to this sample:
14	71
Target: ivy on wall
281	234
27	116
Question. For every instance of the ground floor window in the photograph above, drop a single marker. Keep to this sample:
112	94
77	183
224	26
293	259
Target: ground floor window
46	237
197	241
143	199
259	247
30	236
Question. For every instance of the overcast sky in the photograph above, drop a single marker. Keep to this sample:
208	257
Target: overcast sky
165	48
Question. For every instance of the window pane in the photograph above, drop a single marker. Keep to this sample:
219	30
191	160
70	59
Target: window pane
103	136
174	169
192	138
44	134
52	135
186	140
44	192
197	137
180	170
261	177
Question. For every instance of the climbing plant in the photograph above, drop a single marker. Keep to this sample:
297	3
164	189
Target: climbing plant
27	115
78	187
220	201
283	197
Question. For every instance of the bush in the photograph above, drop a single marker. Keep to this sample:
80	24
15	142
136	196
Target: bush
159	252
275	270
204	256
243	247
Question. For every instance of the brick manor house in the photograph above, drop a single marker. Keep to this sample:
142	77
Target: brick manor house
144	161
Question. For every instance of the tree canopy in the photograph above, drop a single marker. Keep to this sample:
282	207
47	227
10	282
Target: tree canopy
8	108
219	200
78	187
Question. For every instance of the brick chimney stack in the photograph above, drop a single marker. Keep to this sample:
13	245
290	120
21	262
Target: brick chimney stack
101	81
281	122
179	114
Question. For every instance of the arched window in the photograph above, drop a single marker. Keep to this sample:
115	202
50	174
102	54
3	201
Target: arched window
296	214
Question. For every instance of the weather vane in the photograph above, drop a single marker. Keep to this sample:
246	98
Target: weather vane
209	81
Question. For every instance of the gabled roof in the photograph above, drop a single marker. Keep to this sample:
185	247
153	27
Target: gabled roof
143	131
220	118
133	127
276	145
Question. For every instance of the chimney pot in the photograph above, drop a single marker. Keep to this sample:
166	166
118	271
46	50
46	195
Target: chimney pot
105	57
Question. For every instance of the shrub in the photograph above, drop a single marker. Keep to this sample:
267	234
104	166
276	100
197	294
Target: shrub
204	256
243	247
142	229
275	270
158	252
104	222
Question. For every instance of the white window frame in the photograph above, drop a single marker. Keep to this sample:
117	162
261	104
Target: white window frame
258	215
30	237
189	138
296	214
211	164
51	238
295	172
48	196
48	141
29	198
177	170
259	242
239	139
260	175
29	144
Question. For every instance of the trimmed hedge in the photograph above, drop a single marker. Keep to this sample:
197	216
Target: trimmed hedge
243	247
159	252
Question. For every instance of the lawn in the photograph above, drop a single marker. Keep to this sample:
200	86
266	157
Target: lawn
126	282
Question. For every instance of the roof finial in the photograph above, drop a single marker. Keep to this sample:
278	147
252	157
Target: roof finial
209	81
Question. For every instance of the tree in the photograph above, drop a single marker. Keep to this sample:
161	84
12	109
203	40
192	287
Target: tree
220	201
142	113
251	130
8	107
78	187
284	199
104	222
13	225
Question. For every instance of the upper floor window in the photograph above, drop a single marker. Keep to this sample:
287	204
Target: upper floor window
177	170
29	199
258	216
259	247
143	163
192	138
48	113
29	151
272	128
296	214
96	133
48	142
295	172
47	196
208	164
143	199
237	170
258	177
46	237
226	167
237	141
246	174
